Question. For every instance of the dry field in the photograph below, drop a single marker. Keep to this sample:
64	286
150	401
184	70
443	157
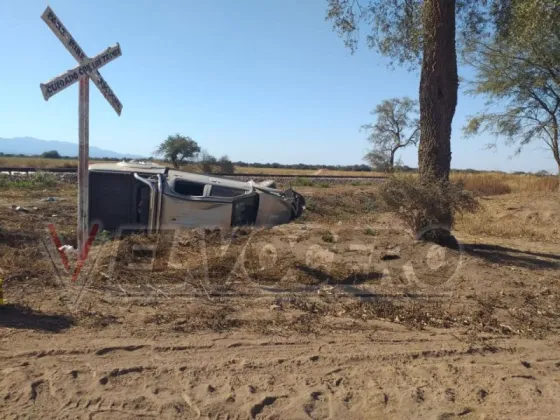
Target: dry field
28	162
339	315
20	162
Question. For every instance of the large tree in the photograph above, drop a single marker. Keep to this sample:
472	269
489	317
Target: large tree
421	32
518	71
177	149
396	126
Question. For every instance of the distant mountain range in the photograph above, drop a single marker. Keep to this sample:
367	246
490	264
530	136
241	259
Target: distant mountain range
32	146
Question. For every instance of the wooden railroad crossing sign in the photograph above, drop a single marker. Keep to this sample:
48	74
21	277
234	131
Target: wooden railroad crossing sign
88	68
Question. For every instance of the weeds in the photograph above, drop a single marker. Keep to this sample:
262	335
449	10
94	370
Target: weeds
328	237
422	206
36	181
370	231
302	182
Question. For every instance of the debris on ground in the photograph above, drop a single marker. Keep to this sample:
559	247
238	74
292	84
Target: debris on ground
20	209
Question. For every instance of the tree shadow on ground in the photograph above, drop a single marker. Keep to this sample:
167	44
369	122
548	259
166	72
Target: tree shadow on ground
351	279
510	256
20	317
350	283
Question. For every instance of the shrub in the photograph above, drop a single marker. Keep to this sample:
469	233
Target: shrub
370	231
301	182
225	165
327	236
427	209
37	181
51	154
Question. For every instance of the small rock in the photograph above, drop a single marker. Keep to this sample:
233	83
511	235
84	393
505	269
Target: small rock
526	364
50	199
20	209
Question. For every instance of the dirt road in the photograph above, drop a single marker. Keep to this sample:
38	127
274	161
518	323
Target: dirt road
386	372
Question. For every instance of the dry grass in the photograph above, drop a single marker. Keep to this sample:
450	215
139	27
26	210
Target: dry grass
530	216
42	163
304	172
484	184
495	183
531	183
22	162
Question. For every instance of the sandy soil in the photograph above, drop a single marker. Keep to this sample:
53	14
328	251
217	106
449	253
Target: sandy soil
341	315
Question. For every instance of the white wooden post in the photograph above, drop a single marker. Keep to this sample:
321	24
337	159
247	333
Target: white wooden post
87	68
83	165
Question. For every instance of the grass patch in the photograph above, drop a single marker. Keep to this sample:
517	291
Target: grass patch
370	231
37	181
302	182
328	237
485	184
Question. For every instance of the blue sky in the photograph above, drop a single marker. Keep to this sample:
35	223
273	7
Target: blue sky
257	80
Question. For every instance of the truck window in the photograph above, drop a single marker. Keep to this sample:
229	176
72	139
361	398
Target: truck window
188	188
219	191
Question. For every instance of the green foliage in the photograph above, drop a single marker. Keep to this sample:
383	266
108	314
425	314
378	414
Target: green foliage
517	71
328	237
301	182
395	28
177	149
370	231
37	181
207	162
426	207
51	154
225	165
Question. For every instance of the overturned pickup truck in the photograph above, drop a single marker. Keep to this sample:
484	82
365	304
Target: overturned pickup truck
151	196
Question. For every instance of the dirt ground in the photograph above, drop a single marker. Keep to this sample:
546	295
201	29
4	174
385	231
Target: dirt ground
338	315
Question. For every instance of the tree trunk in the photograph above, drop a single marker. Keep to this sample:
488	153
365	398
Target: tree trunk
392	161
556	146
439	83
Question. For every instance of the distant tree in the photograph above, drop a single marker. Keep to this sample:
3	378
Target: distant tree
396	127
378	161
177	149
207	161
543	173
51	154
225	165
520	74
